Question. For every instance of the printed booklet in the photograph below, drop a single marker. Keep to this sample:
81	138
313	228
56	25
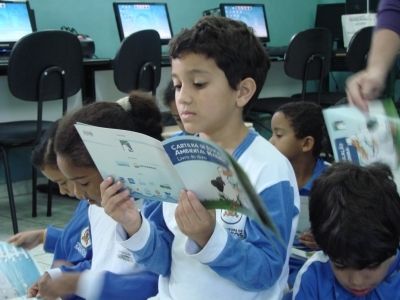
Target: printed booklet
154	170
364	138
18	272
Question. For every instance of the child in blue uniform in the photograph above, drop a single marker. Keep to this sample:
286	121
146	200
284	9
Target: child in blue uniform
113	274
298	131
354	214
218	70
71	245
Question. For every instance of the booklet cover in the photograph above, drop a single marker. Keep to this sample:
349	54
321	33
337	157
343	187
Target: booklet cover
18	272
364	138
153	170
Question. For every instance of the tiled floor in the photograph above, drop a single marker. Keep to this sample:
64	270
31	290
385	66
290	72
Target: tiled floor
63	208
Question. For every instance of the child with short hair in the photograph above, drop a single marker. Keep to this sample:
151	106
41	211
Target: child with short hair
298	132
354	213
218	70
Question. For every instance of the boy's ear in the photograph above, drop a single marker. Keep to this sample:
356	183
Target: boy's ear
308	143
247	88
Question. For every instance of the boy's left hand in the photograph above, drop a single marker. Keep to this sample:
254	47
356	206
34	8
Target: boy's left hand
193	219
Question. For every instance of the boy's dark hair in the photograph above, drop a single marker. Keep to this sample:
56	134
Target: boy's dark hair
233	46
169	93
43	153
355	213
307	120
142	116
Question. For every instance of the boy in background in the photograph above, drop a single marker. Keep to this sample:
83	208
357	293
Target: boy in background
298	132
218	70
354	213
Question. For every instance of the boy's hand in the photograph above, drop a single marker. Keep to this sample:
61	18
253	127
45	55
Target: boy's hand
28	239
33	291
193	219
119	205
53	288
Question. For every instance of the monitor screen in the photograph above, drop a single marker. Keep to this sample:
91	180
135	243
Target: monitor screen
330	16
252	14
134	16
15	22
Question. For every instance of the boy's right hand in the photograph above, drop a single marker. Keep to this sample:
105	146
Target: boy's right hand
28	239
120	206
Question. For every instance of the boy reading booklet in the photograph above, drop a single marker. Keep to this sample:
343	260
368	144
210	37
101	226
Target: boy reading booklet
152	170
18	271
365	138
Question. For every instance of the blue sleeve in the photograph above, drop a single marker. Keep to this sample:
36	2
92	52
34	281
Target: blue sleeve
156	255
256	262
138	286
74	244
80	267
52	236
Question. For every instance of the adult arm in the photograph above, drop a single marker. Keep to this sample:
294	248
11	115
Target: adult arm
385	46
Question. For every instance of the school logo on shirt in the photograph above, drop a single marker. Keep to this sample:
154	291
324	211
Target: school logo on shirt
230	216
234	222
85	237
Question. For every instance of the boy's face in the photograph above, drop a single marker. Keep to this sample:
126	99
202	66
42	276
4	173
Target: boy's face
54	174
205	101
284	138
86	180
361	282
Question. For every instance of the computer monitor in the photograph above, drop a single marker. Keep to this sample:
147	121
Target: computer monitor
136	16
252	14
330	16
15	22
361	6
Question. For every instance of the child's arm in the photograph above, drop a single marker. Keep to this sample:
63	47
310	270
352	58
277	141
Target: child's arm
255	262
151	242
122	286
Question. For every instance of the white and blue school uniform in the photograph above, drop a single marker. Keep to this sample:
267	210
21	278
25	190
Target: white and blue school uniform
241	260
113	272
295	263
316	280
73	243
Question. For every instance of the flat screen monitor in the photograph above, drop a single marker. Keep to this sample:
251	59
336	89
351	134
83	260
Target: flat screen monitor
330	16
252	14
15	22
136	16
361	6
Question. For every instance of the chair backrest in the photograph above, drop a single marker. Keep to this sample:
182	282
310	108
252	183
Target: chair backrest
357	52
308	56
46	65
137	64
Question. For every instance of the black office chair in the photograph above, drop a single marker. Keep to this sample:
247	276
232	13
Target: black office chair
43	66
308	57
137	64
357	53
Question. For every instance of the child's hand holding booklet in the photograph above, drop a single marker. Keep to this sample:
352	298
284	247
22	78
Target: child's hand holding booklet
154	170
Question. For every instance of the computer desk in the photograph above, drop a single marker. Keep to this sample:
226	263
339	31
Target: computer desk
90	66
